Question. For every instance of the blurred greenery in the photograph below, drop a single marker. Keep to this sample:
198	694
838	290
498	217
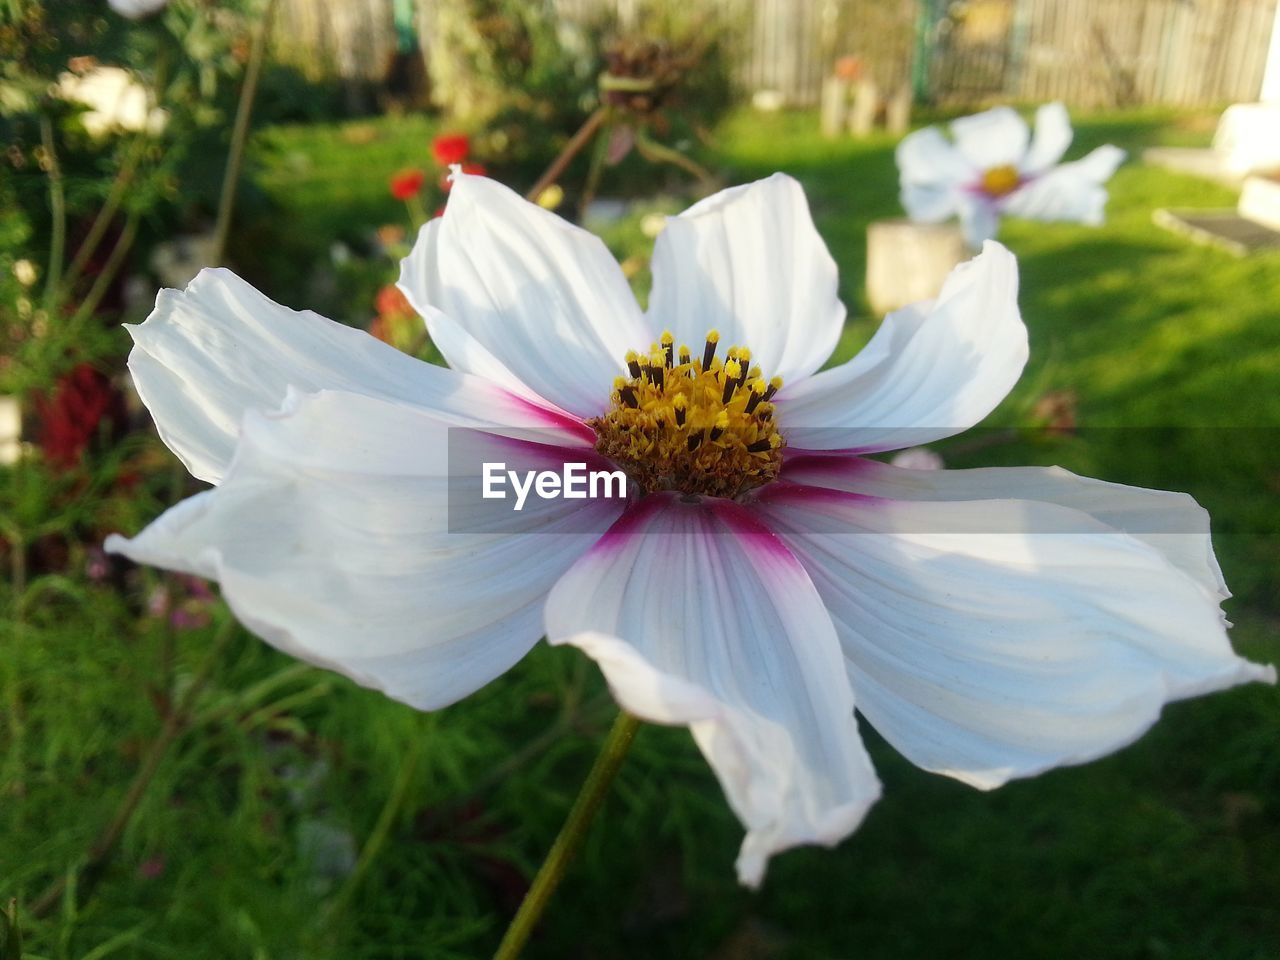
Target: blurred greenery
1170	849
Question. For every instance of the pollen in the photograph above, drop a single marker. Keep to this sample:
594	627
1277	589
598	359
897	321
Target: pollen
692	423
1000	181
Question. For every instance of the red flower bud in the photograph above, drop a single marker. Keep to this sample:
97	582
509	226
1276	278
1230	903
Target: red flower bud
450	148
406	184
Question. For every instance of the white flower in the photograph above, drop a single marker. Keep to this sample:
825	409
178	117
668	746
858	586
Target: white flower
991	624
992	166
116	100
918	458
26	272
136	9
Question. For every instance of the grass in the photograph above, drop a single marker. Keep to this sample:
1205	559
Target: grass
1170	849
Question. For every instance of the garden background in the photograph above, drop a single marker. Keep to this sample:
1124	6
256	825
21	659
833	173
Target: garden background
172	787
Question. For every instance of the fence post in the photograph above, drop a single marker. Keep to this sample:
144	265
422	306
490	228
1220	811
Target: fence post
1271	76
926	20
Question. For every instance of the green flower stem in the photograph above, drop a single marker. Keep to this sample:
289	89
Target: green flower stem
417	212
655	152
566	845
594	172
119	186
115	260
391	810
240	133
57	209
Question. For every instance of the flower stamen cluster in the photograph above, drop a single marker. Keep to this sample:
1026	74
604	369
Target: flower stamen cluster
1001	181
698	425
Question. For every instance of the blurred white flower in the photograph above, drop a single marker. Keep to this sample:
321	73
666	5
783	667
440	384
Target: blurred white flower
10	429
117	102
763	577
136	9
25	272
652	224
993	166
176	262
918	458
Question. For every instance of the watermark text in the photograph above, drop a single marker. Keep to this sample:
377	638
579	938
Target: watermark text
572	482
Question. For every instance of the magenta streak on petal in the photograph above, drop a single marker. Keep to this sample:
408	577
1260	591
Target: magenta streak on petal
752	530
553	454
633	521
836	463
791	491
553	417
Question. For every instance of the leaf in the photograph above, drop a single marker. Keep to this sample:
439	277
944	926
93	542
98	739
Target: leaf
10	934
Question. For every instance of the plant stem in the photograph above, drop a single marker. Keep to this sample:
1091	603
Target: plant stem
174	721
377	839
417	212
656	152
571	150
58	209
109	207
102	283
592	183
566	845
240	133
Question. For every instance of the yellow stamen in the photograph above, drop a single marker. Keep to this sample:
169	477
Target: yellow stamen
669	347
999	181
698	426
709	351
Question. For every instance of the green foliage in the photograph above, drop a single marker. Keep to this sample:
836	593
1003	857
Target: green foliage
246	842
10	933
114	132
529	76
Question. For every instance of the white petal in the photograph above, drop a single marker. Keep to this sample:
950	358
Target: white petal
979	218
698	616
335	536
135	9
928	157
540	296
1172	523
420	283
930	203
993	655
993	138
749	263
1072	192
1050	141
211	352
930	371
932	174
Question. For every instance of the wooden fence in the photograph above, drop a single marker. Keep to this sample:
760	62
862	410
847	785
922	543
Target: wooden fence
1107	52
1085	52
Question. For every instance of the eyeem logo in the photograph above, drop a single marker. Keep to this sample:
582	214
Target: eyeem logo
573	482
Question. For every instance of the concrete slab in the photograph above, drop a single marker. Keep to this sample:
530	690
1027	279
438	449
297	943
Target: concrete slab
1260	201
1224	229
1196	161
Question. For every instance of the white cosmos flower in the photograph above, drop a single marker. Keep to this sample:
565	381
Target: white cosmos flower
136	9
993	166
990	624
117	102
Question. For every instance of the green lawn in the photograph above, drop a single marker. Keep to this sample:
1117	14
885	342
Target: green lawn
1170	849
